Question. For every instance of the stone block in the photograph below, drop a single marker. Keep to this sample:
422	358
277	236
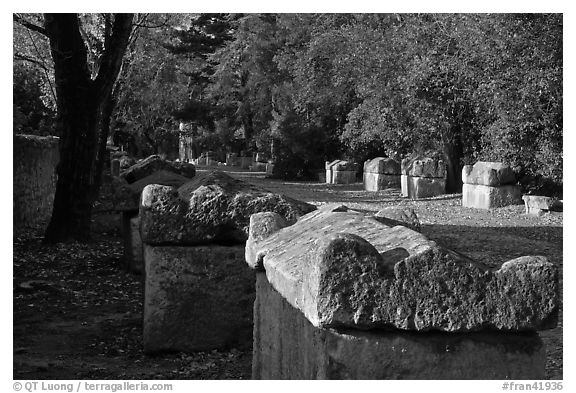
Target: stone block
346	269
341	172
343	177
488	174
287	346
258	167
386	166
126	162
211	208
269	169
399	215
133	249
154	163
379	181
126	197
538	205
487	197
197	298
419	166
422	187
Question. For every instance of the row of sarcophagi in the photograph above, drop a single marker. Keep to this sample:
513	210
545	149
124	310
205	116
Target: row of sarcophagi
330	292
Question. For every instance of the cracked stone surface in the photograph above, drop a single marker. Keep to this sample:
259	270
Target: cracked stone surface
387	166
126	197
212	207
488	174
423	167
154	163
347	269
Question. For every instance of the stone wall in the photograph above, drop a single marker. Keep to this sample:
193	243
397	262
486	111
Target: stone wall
35	160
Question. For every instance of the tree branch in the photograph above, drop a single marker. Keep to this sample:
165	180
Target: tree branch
19	56
29	25
111	59
157	26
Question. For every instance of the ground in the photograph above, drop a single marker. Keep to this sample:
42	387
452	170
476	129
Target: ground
77	313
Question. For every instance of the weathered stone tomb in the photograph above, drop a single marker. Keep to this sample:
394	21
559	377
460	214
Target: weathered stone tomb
423	177
126	199
341	295
489	185
198	291
538	205
341	172
381	173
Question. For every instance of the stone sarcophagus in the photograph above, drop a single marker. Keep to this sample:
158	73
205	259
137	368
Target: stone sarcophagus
423	177
489	185
155	163
198	292
126	199
538	205
341	172
381	173
342	295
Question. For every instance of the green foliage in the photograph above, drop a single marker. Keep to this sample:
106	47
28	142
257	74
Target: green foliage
322	86
30	114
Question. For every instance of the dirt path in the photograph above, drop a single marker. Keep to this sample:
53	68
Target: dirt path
77	313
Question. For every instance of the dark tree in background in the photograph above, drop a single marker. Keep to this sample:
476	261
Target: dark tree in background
82	98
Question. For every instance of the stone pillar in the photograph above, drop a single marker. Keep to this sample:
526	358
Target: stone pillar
115	167
381	173
133	254
329	166
422	177
340	295
198	291
489	185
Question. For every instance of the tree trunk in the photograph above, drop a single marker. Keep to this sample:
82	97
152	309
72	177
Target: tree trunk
83	119
453	153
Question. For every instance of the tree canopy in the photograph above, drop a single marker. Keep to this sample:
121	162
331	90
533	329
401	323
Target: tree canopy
306	88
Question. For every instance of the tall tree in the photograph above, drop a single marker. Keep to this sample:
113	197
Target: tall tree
83	92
